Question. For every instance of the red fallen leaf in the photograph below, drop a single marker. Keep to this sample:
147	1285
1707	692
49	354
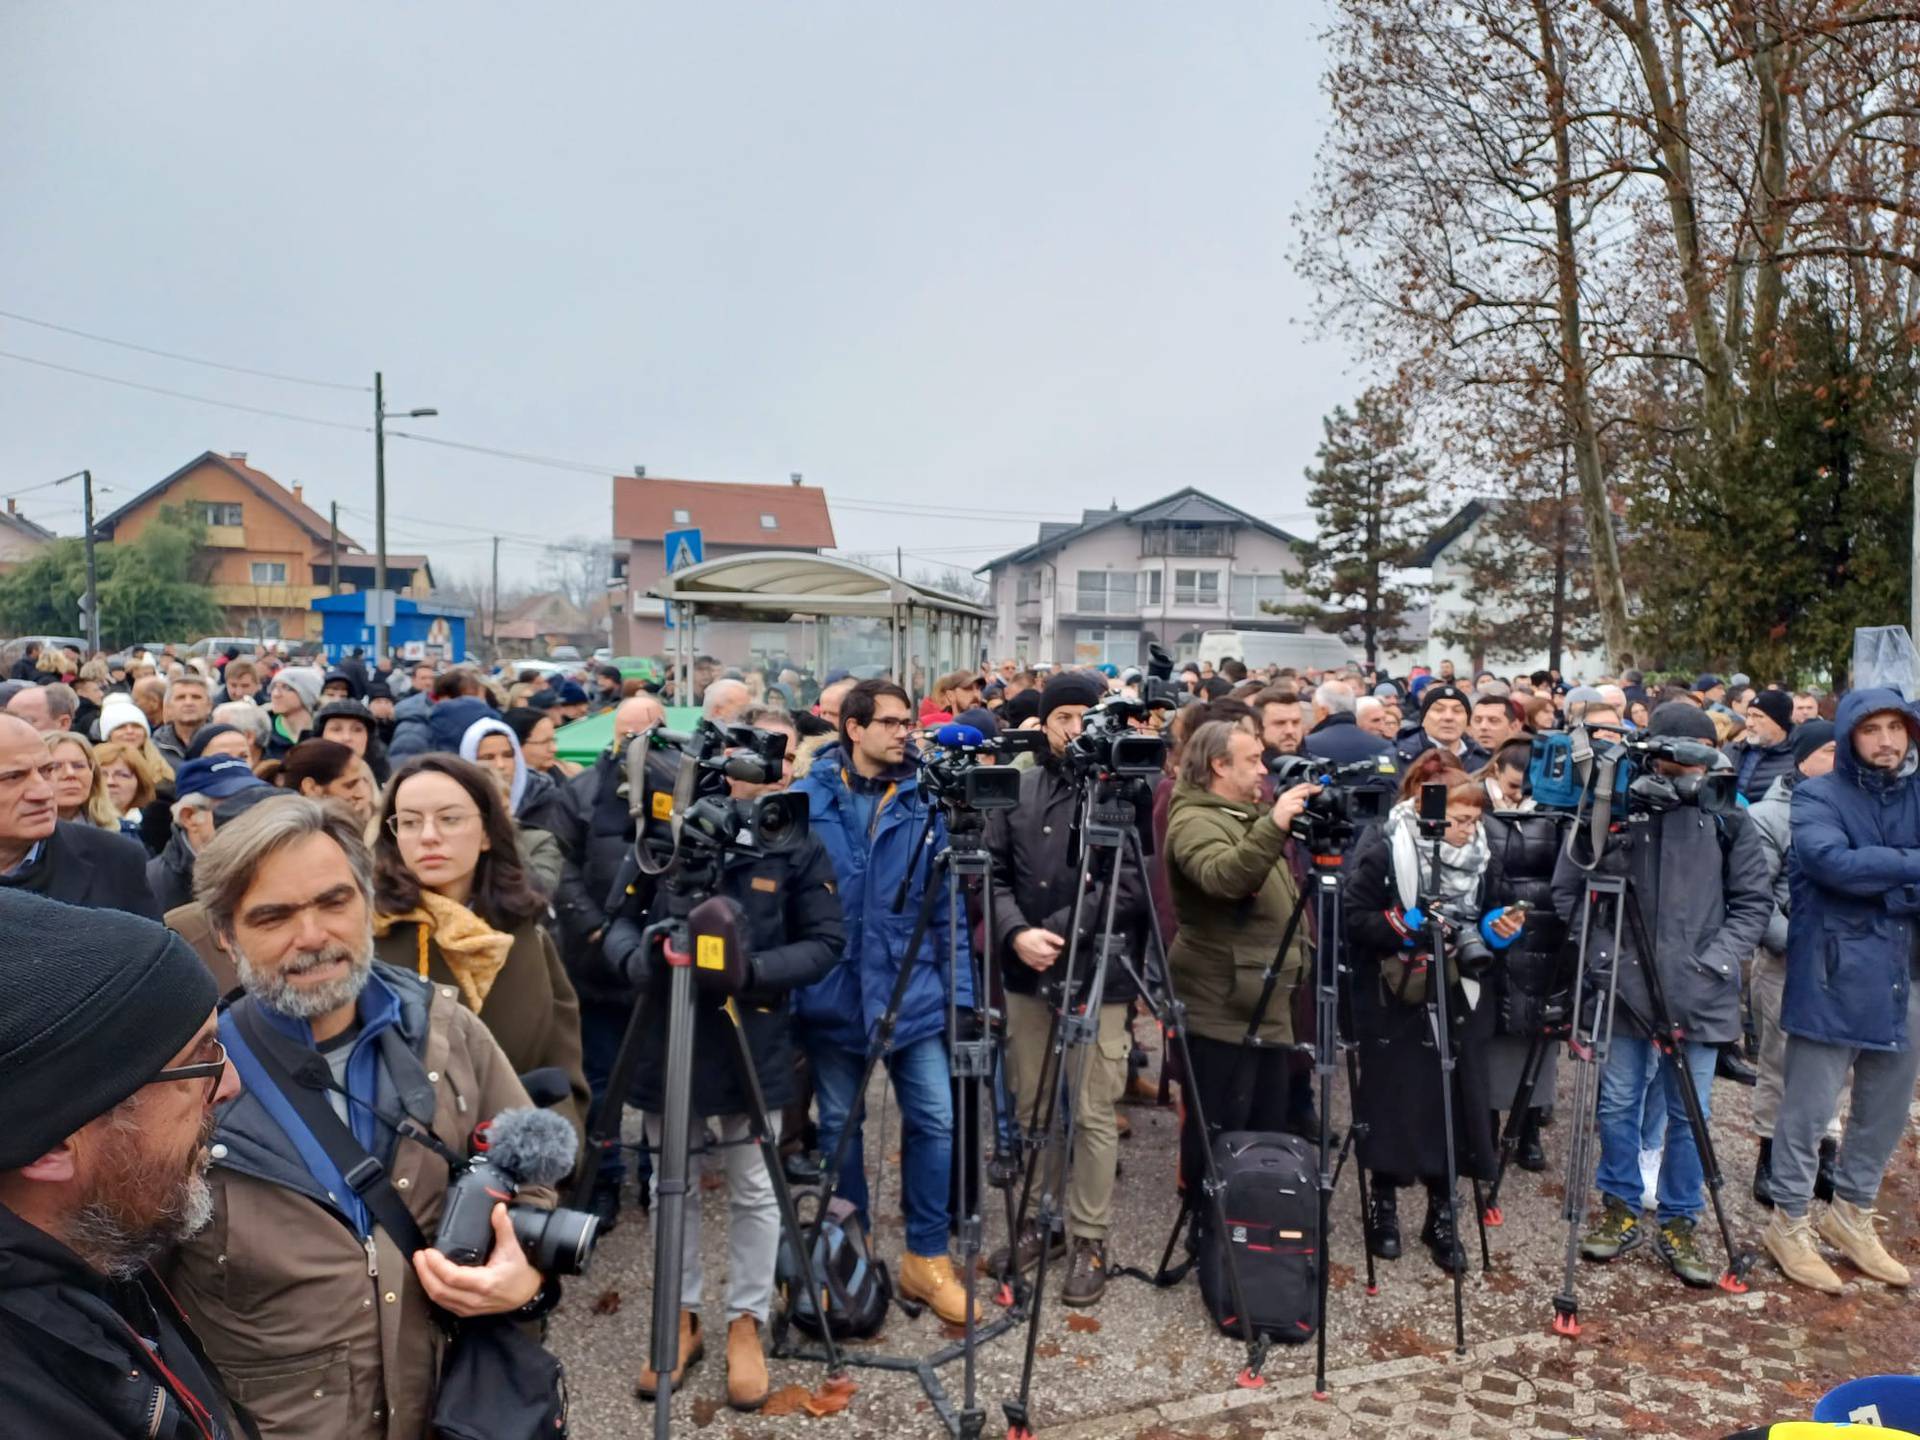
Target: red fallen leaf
608	1303
1082	1324
828	1400
838	1385
787	1400
704	1408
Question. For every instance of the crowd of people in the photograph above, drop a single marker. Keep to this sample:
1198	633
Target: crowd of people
231	886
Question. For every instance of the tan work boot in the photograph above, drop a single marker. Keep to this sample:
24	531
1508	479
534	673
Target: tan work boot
930	1279
1849	1229
692	1347
746	1364
1790	1242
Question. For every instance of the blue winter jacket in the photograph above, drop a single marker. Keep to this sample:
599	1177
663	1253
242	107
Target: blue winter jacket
1854	880
843	1008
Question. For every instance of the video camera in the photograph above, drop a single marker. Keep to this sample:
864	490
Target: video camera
677	791
954	773
1357	793
518	1148
1108	745
1568	770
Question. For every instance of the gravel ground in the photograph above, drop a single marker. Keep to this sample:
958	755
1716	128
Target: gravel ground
1154	1353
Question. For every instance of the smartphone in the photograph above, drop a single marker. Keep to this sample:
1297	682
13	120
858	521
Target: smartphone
1433	801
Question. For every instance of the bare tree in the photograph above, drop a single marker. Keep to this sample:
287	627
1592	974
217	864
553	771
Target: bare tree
578	568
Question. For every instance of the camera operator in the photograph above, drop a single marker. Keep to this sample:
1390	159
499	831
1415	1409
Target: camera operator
1034	876
307	1304
1851	1001
1701	882
790	926
1233	895
1400	1098
112	1068
867	807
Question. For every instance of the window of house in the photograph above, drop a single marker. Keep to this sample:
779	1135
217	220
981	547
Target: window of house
218	512
683	517
1106	592
1251	592
1196	587
1106	647
1027	587
263	629
1150	581
269	572
769	522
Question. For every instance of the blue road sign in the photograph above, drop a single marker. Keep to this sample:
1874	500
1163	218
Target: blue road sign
684	548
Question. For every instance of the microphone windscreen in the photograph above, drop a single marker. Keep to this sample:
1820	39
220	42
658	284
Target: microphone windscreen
535	1147
961	736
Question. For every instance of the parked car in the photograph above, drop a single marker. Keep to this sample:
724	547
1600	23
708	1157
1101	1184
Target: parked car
10	651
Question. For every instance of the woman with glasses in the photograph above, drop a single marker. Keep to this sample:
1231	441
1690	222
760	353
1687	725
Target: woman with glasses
129	784
532	799
79	790
453	904
535	729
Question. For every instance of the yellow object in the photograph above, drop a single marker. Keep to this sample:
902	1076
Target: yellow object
710	952
662	805
1820	1430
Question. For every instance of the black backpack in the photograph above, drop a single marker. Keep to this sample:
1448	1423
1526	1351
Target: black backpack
857	1286
1270	1197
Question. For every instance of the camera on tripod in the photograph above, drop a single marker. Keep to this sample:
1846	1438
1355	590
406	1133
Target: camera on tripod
1108	745
1351	795
675	778
954	772
1568	770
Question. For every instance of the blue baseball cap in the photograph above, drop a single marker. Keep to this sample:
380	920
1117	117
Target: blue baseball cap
217	776
568	692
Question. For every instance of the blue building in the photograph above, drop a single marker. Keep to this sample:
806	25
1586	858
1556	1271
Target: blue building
421	630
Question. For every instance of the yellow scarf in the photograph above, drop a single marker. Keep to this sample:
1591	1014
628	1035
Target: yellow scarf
474	951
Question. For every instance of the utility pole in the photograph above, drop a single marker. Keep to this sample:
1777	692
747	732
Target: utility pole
333	548
493	607
380	418
900	562
93	574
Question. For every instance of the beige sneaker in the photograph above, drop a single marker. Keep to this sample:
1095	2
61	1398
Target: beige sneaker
1849	1229
1790	1242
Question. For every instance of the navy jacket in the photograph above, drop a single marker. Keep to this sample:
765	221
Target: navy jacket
1339	740
1853	875
842	1008
411	735
1756	767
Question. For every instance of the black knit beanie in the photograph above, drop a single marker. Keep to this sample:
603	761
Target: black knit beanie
97	1001
1071	687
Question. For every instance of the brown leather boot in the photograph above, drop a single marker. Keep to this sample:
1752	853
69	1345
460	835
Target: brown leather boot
692	1347
746	1364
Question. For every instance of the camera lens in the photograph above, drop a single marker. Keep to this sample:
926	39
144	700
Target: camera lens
557	1242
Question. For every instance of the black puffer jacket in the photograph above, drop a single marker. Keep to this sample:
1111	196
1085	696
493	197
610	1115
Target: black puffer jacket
793	931
1532	983
596	831
77	1366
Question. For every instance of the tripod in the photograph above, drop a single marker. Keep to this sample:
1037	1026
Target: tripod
1590	1043
964	858
721	964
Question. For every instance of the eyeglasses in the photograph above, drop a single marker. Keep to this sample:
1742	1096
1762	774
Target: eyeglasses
209	1070
889	722
448	822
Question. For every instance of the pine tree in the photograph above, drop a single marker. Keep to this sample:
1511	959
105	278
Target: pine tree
1373	498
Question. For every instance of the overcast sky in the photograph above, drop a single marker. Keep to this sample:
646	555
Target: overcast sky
1008	258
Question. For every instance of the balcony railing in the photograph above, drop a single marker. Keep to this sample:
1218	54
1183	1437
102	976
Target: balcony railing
1211	540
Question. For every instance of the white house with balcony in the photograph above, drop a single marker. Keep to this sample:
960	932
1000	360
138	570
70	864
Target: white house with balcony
1100	590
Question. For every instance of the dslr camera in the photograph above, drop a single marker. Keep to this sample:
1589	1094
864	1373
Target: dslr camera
518	1148
1352	795
677	791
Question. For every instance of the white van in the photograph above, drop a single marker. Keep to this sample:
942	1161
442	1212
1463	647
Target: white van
1257	649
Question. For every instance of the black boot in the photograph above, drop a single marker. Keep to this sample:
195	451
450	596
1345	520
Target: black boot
1823	1177
1763	1175
1531	1156
1441	1238
1729	1066
1383	1222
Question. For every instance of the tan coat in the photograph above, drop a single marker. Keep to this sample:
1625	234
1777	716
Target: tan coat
317	1336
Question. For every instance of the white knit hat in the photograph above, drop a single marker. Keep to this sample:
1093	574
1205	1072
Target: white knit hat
118	710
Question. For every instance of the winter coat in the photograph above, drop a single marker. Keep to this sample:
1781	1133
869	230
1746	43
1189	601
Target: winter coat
596	832
171	747
842	1008
170	873
791	927
319	1328
1233	895
74	1361
449	720
1399	1101
1701	882
190	923
531	1010
1035	877
1756	767
1534	973
1853	872
411	735
1772	816
1414	742
1339	740
83	865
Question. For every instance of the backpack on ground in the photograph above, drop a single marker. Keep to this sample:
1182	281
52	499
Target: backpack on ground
1269	1194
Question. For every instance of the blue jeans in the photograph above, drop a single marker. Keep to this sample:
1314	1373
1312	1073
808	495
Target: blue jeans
1633	1068
921	1083
602	1025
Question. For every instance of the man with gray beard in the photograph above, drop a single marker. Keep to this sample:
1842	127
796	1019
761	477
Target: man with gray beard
112	1066
311	1309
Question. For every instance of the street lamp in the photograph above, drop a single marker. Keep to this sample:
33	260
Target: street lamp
380	417
90	605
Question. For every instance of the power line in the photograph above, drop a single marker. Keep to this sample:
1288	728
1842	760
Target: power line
186	359
184	395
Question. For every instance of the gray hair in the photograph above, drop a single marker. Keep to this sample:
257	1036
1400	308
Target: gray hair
62	699
190	677
721	694
1211	742
761	716
1335	697
223	871
246	717
1367	705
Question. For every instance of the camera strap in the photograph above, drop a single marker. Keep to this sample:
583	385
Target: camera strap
365	1175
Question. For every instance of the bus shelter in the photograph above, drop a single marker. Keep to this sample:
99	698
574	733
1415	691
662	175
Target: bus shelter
848	615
